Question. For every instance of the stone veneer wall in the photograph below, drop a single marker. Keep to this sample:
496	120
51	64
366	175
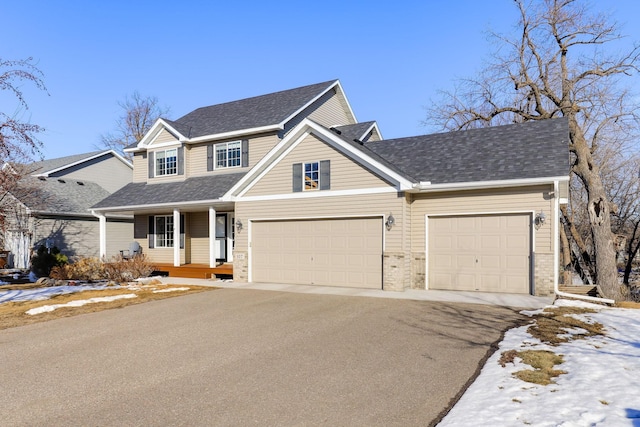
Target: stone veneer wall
418	261
393	271
240	267
543	275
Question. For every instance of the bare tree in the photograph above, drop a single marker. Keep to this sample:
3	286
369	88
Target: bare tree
556	66
18	141
139	113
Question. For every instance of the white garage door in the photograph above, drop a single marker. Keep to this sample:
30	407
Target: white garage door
329	252
489	253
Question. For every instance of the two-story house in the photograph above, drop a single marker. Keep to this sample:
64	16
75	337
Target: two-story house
49	205
289	187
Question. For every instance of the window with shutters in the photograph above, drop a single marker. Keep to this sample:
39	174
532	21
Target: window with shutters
311	176
228	155
166	162
163	231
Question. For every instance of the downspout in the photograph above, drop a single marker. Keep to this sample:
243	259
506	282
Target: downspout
556	252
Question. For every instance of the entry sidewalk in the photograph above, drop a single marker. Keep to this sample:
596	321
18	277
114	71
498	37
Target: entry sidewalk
485	298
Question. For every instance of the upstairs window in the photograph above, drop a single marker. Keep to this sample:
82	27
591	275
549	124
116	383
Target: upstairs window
167	162
228	155
311	176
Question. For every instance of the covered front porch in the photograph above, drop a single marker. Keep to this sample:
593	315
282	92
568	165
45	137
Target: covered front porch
190	241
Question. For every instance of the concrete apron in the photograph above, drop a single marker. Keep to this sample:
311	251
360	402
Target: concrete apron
485	298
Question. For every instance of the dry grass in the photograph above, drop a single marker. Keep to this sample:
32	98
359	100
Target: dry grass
628	304
542	362
13	314
552	326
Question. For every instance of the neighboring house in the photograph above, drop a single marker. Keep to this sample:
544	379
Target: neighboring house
49	205
290	188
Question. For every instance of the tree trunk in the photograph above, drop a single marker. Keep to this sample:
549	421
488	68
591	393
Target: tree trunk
599	211
632	251
565	250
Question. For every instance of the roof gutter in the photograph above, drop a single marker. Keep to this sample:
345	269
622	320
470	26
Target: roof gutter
158	205
427	187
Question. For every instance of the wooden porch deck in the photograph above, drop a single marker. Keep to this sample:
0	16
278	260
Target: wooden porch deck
195	271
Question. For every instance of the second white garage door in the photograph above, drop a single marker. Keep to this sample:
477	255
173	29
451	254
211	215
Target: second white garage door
489	253
329	252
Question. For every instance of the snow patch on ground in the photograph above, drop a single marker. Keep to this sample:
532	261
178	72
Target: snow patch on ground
170	290
601	386
38	294
79	303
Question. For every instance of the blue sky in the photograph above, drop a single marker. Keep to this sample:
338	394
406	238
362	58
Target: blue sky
391	57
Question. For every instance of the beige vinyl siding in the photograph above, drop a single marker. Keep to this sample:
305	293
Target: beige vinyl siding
140	166
487	202
345	173
326	207
199	237
164	178
164	136
332	112
107	171
564	189
374	136
158	255
259	146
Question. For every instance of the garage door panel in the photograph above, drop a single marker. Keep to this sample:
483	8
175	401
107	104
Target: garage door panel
487	252
332	252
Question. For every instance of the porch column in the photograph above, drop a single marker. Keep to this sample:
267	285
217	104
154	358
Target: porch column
103	236
212	237
176	238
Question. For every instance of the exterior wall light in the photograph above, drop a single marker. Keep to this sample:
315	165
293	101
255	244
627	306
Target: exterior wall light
238	225
540	219
391	221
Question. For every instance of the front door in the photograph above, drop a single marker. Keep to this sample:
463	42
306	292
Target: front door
221	237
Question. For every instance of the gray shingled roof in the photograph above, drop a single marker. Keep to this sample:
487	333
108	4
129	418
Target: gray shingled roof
189	190
534	149
45	166
354	131
249	113
59	195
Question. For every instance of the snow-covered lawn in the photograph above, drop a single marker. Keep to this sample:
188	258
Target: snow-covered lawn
44	293
601	386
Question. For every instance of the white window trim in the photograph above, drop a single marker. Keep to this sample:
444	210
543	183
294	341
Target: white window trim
155	163
226	144
304	187
166	234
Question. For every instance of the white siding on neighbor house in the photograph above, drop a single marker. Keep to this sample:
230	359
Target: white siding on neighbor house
345	173
508	200
107	171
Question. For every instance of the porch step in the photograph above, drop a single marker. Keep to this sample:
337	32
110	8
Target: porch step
196	271
588	290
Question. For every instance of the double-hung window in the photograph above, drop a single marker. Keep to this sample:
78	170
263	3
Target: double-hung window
167	162
228	155
311	176
164	231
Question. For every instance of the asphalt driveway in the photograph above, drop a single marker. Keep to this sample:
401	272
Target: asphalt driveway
247	357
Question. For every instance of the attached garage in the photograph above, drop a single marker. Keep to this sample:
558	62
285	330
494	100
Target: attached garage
329	252
488	253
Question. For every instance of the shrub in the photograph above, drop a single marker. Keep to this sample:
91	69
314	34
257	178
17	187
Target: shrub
119	269
81	269
43	261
